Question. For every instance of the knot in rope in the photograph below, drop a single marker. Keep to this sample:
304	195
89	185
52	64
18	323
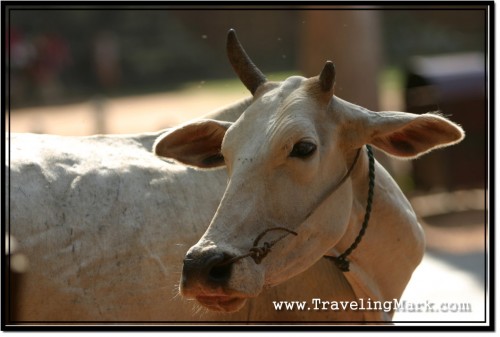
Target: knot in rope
259	253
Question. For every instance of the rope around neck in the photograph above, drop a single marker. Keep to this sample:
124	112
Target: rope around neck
341	261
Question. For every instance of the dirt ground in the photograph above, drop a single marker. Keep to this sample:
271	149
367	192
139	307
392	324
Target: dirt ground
132	114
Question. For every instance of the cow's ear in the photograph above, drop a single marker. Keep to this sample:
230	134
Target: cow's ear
197	143
409	135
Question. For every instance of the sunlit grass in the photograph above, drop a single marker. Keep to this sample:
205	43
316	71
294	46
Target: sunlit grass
391	78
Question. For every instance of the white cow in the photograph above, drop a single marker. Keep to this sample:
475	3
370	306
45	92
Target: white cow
297	164
106	224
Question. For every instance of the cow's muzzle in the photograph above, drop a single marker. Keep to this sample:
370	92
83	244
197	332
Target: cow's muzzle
206	269
206	276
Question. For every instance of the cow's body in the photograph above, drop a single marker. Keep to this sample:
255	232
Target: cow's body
105	225
90	214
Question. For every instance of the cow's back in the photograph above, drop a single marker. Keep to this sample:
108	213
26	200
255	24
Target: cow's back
103	222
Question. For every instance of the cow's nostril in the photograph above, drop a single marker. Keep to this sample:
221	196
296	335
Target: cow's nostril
214	268
221	272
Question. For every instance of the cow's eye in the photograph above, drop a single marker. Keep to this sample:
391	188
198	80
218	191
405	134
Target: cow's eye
303	149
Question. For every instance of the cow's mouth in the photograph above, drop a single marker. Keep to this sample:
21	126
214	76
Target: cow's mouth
222	303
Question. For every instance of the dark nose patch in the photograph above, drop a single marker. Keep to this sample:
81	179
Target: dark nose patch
206	268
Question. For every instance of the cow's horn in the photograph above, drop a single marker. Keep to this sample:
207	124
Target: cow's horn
327	77
248	73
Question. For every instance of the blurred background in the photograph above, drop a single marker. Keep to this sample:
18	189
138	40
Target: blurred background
87	71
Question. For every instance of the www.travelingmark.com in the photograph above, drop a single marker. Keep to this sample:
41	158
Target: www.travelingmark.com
317	304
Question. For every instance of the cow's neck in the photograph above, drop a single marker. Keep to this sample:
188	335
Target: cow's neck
393	245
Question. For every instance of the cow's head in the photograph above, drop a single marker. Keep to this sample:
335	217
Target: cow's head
289	146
